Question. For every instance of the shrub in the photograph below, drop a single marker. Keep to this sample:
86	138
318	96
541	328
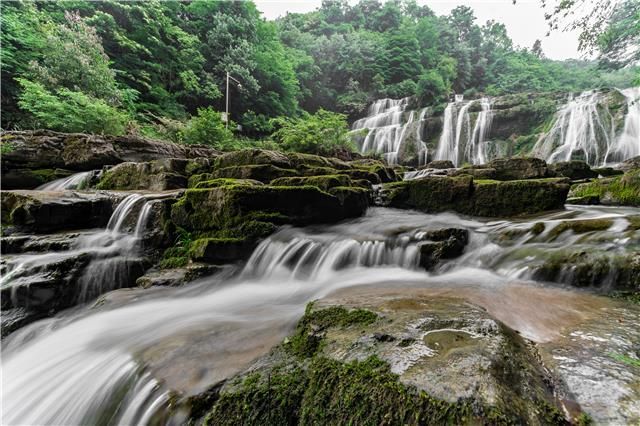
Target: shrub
69	111
321	133
207	128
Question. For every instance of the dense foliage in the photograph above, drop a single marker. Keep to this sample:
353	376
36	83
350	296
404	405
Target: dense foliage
147	67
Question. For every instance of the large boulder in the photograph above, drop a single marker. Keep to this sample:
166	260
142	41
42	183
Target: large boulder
389	360
630	164
246	157
574	170
157	175
81	152
621	190
489	198
520	168
229	205
39	211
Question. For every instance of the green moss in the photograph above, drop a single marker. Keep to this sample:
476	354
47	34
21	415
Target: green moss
584	419
634	223
260	172
537	228
215	183
329	392
323	182
581	226
308	335
617	190
174	257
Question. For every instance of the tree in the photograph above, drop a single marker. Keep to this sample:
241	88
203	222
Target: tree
321	133
536	50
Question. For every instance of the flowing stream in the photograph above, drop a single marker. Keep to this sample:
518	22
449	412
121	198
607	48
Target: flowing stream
125	357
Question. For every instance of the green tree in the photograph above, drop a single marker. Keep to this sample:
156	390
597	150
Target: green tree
321	133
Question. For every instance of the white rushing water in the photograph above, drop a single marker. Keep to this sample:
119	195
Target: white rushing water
388	127
75	181
585	128
112	251
459	142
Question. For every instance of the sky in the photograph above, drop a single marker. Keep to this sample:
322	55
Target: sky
524	20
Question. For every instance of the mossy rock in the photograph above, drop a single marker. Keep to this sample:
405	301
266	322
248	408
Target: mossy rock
246	157
158	175
618	190
580	226
333	370
574	170
221	250
229	205
324	182
490	198
519	168
517	197
260	172
207	181
299	160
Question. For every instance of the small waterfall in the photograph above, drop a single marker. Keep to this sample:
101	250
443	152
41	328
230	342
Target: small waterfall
117	249
459	143
387	131
113	254
305	258
75	181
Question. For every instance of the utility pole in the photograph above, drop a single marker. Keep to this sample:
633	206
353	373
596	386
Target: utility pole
227	109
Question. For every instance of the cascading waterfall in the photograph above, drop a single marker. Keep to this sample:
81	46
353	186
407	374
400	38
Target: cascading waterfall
584	128
113	253
305	257
75	181
459	143
387	131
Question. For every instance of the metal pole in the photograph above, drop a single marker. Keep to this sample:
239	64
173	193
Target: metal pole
227	110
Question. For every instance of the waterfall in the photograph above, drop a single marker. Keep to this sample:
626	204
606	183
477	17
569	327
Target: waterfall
387	131
578	129
585	128
459	143
627	145
114	253
75	181
423	151
307	258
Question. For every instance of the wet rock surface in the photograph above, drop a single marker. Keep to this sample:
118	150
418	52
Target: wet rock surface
47	149
41	211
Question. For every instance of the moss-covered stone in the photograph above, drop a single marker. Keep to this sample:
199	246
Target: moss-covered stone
329	372
158	175
580	226
221	250
30	179
206	181
246	157
574	170
230	205
489	198
519	168
617	190
324	182
38	211
259	172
